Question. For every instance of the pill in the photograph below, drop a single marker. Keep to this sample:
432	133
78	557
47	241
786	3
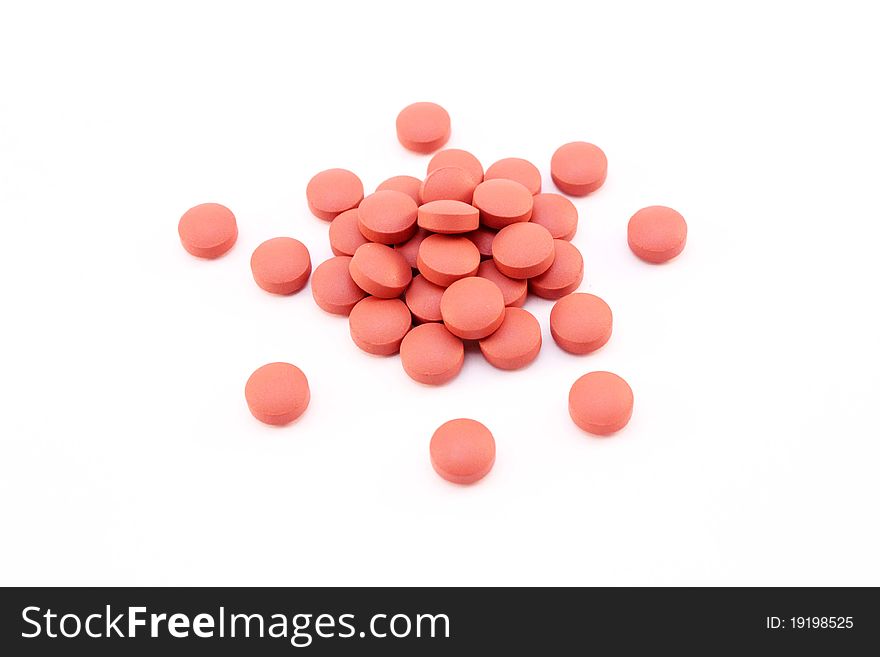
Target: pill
600	402
580	323
443	259
516	343
515	168
482	237
345	236
564	276
557	214
387	217
455	157
333	191
578	168
277	393
378	326
447	183
657	233
502	202
380	270
423	127
462	451
423	299
410	249
523	250
333	288
281	265
513	290
207	230
432	355
472	308
448	217
409	185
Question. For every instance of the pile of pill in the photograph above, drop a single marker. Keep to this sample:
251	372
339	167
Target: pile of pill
421	266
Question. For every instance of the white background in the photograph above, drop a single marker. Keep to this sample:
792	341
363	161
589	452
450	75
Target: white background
128	453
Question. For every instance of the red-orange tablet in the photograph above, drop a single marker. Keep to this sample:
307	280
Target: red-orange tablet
580	323
515	168
409	185
430	354
277	393
281	265
208	230
578	168
600	402
455	157
514	290
483	237
564	276
462	451
345	236
444	259
410	249
557	214
379	325
380	270
502	202
448	217
657	234
516	343
423	299
523	250
472	308
451	183
423	127
333	191
387	217
333	288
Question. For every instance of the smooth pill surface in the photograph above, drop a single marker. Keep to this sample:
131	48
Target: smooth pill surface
387	217
455	157
483	237
345	236
516	343
423	127
448	217
333	191
580	323
502	202
472	308
423	299
657	234
277	393
578	168
333	288
523	250
557	214
378	326
281	265
432	355
600	402
462	451
564	276
444	259
208	230
447	183
513	290
409	185
380	270
515	168
410	249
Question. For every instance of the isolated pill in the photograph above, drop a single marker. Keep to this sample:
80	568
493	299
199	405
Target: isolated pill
380	270
462	451
557	214
423	299
502	202
277	393
409	185
207	230
564	276
516	343
333	288
600	403
447	183
345	236
444	259
657	233
423	127
483	237
578	168
378	326
472	308
333	191
387	217
281	265
523	250
448	217
410	249
455	157
515	168
432	355
580	323
513	290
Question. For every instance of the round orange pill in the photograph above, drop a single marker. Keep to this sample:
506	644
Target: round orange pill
580	323
657	233
483	237
462	451
333	191
444	259
447	183
378	326
430	354
207	230
557	214
423	299
448	217
277	393
387	217
472	308
563	276
600	402
455	157
409	185
345	236
515	168
514	290
423	127
516	343
410	249
502	202
578	168
281	265
380	270
333	288
523	250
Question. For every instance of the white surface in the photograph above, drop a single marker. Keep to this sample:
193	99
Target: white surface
128	454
